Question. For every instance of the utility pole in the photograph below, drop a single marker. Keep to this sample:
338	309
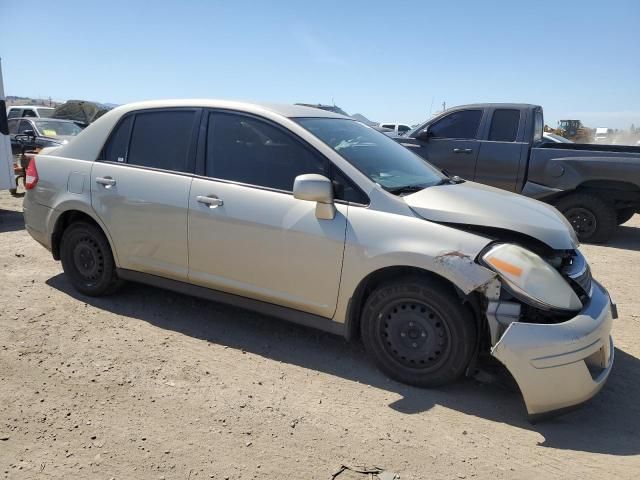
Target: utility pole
444	106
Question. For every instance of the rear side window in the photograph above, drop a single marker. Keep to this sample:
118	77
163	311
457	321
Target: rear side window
24	126
116	149
13	126
460	125
162	139
538	126
504	125
247	150
14	113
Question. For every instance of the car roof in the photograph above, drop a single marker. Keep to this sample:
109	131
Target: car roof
30	106
495	105
43	119
286	110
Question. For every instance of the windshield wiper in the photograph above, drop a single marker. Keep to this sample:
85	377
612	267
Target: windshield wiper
406	189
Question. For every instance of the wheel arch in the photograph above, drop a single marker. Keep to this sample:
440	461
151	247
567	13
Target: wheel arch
385	274
67	218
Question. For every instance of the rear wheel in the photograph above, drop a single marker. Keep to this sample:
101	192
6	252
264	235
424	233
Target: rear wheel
418	331
625	214
87	260
593	219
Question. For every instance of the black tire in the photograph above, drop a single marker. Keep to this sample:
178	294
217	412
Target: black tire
87	260
418	331
625	214
593	218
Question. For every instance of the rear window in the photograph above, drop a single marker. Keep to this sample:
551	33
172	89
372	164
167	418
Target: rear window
116	148
162	139
504	125
45	112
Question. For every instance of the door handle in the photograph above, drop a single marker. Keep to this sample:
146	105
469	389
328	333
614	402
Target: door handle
462	150
212	201
108	182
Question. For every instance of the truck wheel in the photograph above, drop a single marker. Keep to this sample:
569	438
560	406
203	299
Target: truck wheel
418	331
625	214
87	260
593	219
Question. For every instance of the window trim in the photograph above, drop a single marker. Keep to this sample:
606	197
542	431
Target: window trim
439	119
202	149
193	141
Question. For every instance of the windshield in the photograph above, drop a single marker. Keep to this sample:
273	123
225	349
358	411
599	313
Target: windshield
45	112
51	128
380	158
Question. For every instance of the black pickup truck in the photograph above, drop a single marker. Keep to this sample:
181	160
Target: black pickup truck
597	187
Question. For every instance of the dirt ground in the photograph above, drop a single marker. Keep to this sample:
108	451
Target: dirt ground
153	384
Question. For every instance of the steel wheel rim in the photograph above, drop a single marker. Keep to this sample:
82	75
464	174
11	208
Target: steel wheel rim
583	221
415	335
88	260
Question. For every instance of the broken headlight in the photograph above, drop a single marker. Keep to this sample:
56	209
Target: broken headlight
530	279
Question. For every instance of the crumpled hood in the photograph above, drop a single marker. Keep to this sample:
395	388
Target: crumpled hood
471	203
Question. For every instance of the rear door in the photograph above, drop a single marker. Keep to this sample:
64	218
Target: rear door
503	150
140	189
247	234
453	143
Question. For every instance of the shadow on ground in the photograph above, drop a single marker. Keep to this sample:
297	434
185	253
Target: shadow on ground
608	424
11	221
625	238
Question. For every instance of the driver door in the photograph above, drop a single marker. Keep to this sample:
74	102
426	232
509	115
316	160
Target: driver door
453	144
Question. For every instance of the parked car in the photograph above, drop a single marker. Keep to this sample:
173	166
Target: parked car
597	187
81	112
313	217
37	133
30	135
396	128
33	111
603	135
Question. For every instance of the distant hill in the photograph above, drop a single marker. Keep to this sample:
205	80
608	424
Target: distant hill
13	100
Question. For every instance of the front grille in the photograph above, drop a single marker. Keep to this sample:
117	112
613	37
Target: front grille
579	273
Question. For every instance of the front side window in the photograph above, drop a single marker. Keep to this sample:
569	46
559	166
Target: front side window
504	125
29	113
403	128
459	125
162	139
247	150
380	158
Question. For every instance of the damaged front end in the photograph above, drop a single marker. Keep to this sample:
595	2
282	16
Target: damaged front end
559	352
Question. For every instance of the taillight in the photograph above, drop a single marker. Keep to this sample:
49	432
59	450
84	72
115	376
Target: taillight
32	178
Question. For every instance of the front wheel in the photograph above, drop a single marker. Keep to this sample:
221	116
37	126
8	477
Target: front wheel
418	331
593	219
87	260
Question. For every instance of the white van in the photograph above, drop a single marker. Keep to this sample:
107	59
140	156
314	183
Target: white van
35	111
603	135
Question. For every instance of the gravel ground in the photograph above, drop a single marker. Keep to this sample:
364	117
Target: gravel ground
153	384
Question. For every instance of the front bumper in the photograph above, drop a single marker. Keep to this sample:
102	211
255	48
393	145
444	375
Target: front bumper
558	366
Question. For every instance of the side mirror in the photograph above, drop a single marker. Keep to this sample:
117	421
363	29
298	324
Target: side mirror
424	134
29	133
316	188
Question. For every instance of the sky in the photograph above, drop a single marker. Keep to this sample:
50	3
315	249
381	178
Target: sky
391	61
